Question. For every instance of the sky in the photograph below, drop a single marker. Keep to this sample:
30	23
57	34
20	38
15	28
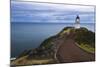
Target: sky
22	11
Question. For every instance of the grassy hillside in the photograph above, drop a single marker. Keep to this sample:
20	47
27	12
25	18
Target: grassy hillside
44	54
84	36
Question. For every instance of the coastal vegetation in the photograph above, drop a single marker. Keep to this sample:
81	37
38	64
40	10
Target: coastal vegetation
84	36
44	54
87	48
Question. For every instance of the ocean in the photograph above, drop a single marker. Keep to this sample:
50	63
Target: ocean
31	35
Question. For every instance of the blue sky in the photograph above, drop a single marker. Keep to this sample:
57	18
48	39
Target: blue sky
50	13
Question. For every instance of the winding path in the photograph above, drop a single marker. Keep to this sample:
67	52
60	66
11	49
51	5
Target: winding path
68	51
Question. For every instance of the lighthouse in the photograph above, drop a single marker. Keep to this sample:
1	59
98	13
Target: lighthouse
77	22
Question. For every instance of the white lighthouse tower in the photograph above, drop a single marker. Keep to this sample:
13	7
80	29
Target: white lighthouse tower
77	22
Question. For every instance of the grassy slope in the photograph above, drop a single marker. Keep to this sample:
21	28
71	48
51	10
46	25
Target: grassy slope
24	61
81	34
47	45
87	48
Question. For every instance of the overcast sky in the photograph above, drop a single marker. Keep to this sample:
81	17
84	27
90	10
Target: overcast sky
50	13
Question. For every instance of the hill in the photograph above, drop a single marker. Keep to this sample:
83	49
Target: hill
69	45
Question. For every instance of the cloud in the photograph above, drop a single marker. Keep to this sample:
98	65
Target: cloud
49	13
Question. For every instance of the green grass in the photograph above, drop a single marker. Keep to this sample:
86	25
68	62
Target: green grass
65	31
87	48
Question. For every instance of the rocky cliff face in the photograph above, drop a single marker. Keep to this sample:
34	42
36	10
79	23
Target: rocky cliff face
56	48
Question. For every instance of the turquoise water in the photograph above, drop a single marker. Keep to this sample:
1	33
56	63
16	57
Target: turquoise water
31	35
